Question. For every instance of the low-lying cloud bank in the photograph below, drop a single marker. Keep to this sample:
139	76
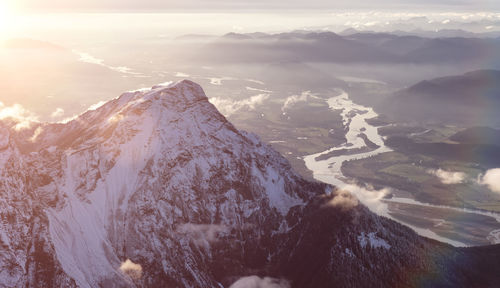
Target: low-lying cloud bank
257	282
491	179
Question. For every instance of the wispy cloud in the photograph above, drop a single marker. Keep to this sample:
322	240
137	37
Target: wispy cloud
295	99
257	282
259	90
202	234
255	81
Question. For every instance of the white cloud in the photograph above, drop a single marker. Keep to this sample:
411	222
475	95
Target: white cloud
294	99
257	282
491	179
57	113
131	269
229	107
448	177
370	197
18	114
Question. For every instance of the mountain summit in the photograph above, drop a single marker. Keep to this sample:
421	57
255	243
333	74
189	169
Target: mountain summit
157	189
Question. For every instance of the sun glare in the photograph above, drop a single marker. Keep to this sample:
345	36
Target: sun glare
5	17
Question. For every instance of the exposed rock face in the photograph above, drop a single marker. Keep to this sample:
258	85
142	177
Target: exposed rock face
158	189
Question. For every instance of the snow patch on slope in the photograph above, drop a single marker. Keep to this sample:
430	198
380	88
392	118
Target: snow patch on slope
79	230
275	189
372	240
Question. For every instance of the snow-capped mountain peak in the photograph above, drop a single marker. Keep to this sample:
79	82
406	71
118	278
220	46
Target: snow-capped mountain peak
158	159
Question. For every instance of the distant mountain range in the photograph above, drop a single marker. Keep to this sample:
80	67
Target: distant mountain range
294	46
471	99
440	33
306	46
432	50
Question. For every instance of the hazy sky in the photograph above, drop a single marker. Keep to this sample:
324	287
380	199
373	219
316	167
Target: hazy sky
155	5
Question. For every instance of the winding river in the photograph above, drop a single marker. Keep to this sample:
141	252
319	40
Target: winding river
329	170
